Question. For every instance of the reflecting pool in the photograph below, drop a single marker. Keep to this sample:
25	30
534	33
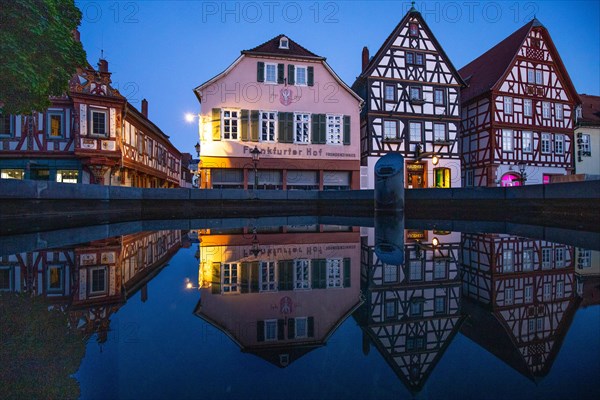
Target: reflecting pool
303	307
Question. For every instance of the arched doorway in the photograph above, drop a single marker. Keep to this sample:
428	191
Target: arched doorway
510	179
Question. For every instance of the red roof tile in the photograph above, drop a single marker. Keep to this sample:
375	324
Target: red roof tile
590	110
271	47
482	73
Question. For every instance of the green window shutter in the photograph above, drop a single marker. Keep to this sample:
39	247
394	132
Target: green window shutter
291	328
254	273
286	127
280	329
260	331
311	76
346	129
291	74
254	125
216	278
280	72
319	274
318	129
245	284
260	71
310	327
216	124
245	125
347	272
286	275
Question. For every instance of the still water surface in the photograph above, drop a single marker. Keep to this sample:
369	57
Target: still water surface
269	311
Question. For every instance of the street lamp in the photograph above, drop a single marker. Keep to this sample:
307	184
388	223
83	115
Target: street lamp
255	250
522	165
197	147
255	152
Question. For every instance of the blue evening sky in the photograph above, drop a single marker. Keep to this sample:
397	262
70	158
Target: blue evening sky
160	50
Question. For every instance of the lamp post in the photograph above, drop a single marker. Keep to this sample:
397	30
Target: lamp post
522	165
255	152
255	250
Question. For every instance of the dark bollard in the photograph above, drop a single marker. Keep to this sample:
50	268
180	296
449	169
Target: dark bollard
389	183
389	238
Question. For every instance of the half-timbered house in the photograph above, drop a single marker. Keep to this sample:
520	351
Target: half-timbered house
92	134
411	92
287	103
279	292
517	112
521	296
587	134
412	310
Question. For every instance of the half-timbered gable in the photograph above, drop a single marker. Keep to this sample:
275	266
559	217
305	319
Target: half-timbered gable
518	108
411	92
523	294
412	310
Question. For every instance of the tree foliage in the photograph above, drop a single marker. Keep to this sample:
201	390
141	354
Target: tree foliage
38	53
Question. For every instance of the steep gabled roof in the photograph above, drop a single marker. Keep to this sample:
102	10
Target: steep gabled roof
390	39
487	71
590	110
271	48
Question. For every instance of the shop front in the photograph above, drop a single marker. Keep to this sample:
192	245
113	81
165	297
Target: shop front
416	176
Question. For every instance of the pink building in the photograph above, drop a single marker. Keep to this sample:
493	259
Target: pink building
288	103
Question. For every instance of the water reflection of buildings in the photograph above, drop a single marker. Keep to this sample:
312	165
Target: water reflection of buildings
587	271
412	303
91	281
522	298
279	293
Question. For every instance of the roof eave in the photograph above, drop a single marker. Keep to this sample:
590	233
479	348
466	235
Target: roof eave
280	55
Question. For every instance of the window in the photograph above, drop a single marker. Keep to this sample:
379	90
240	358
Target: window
528	260
227	178
334	273
547	291
527	142
230	125
540	324
545	109
300	326
268	122
439	269
268	283
584	259
5	279
508	105
531	325
67	176
413	29
334	129
271	73
509	296
302	180
418	58
584	145
98	280
416	270
559	144
284	43
271	329
439	133
300	76
390	311
440	305
470	178
301	274
390	129
538	77
229	278
301	128
559	257
508	264
546	258
528	294
416	308
546	143
12	174
439	97
390	273
6	125
560	289
415	132
558	111
415	93
527	108
390	92
56	124
507	140
531	75
55	277
98	122
410	58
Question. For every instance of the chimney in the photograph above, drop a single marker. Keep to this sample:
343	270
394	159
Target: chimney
103	65
365	57
145	108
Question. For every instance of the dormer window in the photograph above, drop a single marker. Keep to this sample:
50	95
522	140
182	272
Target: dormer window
284	43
